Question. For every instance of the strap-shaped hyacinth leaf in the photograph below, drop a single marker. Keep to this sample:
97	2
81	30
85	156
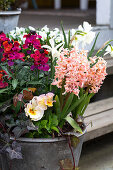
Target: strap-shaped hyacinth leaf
57	106
73	123
82	107
67	105
72	107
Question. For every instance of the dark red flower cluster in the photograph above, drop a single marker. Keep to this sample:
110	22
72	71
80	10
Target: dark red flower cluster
3	38
32	41
3	84
12	51
37	54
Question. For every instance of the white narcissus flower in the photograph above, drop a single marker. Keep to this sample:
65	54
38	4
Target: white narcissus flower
53	48
59	38
109	50
31	28
18	31
42	34
22	29
73	31
45	28
86	27
56	30
21	36
88	34
88	38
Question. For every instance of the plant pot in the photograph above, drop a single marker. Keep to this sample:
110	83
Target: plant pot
9	20
43	154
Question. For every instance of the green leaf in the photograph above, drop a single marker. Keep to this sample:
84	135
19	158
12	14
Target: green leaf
34	82
55	129
24	89
86	103
3	90
14	83
7	71
22	82
57	106
54	120
65	39
67	105
93	47
72	122
18	106
81	106
74	105
43	123
101	51
18	131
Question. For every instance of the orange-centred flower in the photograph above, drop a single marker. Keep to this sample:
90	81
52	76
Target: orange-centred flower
36	107
35	113
49	99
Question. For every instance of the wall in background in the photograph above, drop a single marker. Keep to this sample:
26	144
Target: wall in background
65	3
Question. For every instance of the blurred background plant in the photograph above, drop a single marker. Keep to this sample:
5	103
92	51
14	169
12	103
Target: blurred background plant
6	4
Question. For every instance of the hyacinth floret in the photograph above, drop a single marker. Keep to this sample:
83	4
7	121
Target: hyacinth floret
74	71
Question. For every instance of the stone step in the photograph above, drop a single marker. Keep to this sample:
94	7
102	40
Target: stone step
100	115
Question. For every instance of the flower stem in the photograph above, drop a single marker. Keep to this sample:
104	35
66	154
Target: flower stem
69	143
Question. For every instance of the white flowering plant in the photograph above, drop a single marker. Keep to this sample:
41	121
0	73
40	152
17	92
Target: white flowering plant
48	78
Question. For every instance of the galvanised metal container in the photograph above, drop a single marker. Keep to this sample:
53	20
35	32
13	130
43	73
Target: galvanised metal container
43	154
9	20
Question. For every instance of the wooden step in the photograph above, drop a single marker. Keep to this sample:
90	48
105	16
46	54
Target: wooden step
100	113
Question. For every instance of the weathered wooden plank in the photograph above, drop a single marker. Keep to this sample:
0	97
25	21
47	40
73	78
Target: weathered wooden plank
109	62
99	106
102	124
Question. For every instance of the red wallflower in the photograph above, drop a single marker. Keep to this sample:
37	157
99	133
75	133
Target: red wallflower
2	83
7	46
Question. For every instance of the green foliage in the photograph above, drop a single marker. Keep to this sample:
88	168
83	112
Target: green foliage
3	90
74	105
47	126
101	51
57	107
67	105
73	123
82	107
65	39
93	47
5	4
14	83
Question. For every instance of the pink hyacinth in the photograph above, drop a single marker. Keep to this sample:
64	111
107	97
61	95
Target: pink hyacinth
72	66
74	72
96	74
